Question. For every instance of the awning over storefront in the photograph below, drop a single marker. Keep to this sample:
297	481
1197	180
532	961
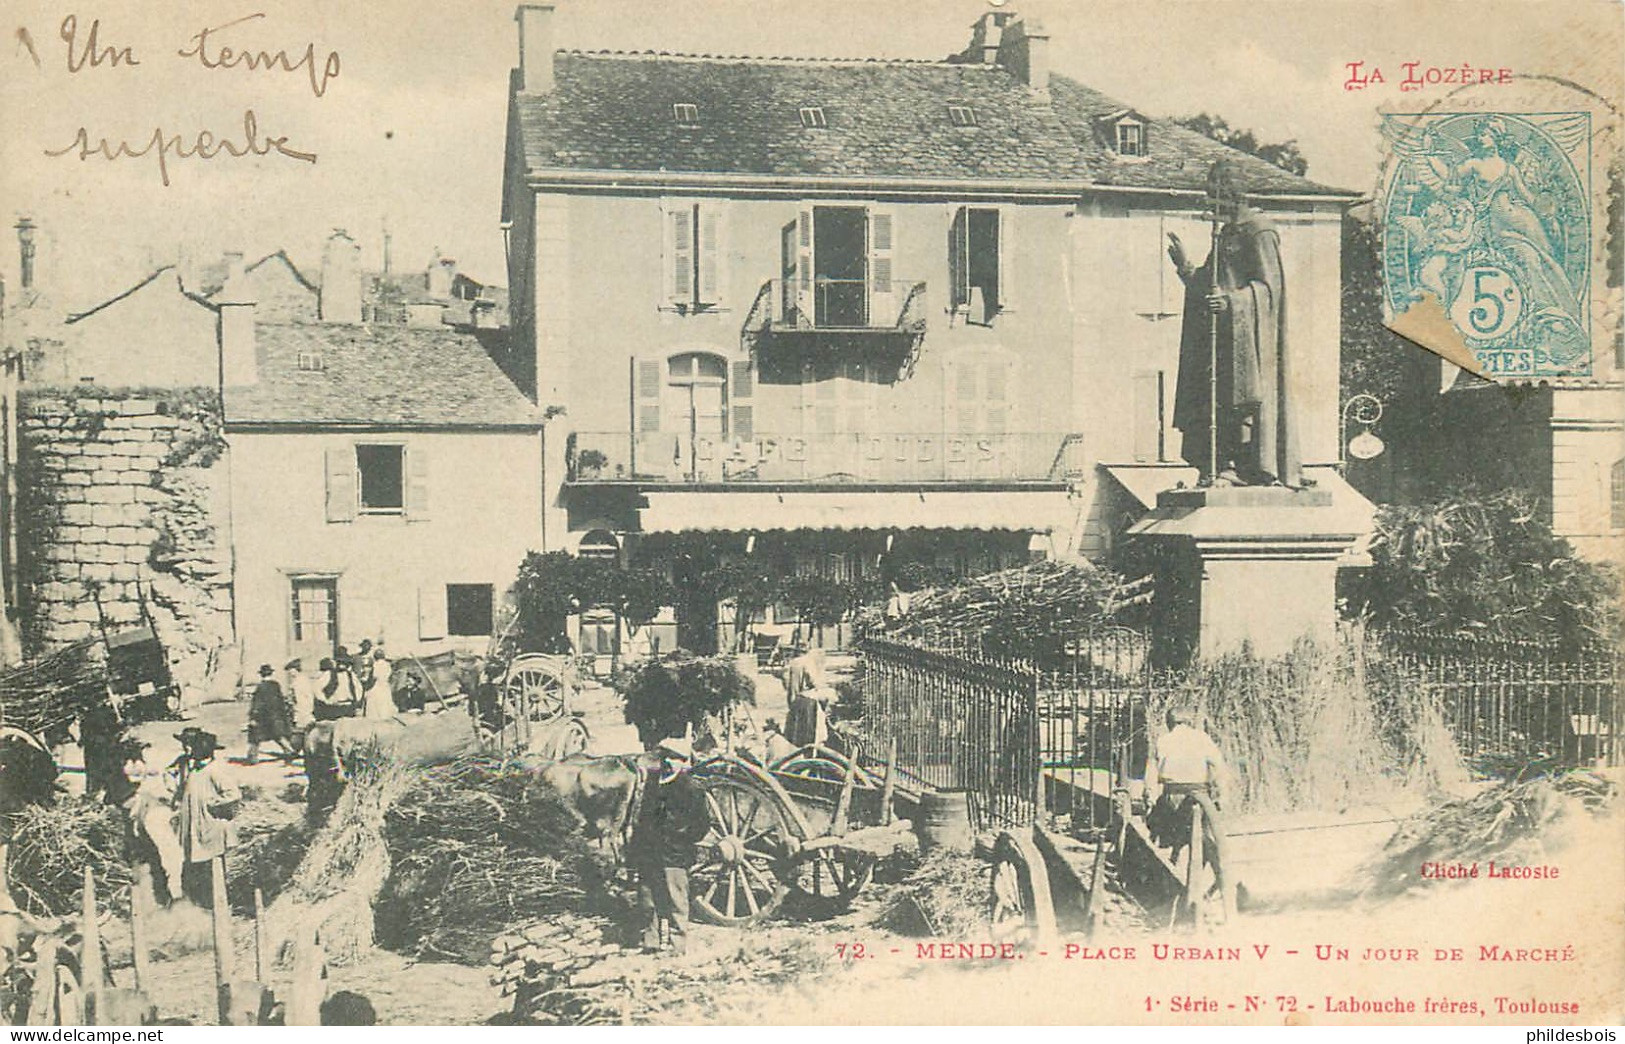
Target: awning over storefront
1039	511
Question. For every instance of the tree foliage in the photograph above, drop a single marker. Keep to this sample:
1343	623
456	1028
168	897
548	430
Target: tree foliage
666	695
1283	154
554	585
1485	565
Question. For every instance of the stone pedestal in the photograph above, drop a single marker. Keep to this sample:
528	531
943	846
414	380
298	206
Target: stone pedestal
1246	567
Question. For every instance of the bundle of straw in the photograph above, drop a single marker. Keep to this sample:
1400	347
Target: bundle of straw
52	844
1507	822
345	868
479	845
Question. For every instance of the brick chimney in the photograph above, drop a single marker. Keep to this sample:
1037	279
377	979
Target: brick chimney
1024	50
535	47
986	32
239	362
340	300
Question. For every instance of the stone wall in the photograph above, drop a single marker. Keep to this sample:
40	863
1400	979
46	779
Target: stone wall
123	498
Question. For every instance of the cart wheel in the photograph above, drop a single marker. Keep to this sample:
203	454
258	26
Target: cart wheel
1019	905
567	738
536	688
736	881
811	768
830	878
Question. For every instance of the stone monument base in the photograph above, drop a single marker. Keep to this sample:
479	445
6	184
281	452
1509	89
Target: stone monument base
1245	567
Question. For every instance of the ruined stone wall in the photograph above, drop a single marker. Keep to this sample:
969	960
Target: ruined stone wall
123	496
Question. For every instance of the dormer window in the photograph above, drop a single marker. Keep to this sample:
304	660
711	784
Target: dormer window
1130	138
812	117
686	114
962	115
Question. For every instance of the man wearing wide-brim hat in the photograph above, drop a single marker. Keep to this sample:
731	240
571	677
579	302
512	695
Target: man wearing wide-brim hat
670	825
205	803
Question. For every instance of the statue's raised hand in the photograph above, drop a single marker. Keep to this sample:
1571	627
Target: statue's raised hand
1176	254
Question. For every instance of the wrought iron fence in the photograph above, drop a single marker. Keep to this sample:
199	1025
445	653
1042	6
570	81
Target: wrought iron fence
1517	702
960	722
1059	741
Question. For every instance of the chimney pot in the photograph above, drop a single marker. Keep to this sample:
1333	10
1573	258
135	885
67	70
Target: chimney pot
535	47
1024	51
340	298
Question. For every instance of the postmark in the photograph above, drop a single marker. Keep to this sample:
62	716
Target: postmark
1487	224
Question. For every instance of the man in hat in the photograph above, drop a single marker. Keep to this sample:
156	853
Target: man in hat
151	809
268	717
671	822
341	696
205	801
302	696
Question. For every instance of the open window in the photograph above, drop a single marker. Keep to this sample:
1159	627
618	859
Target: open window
381	479
976	253
469	610
837	267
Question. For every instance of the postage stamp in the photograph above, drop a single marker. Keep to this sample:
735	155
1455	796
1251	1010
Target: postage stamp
1489	215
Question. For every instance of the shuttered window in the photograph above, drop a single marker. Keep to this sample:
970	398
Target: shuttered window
695	263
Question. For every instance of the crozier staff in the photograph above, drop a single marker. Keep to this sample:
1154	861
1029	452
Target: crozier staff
1232	402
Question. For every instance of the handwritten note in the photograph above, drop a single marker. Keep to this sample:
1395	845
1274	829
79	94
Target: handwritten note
222	48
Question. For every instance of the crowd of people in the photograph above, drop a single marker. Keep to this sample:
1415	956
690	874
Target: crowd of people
345	685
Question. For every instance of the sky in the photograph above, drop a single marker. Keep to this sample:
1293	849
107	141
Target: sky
409	134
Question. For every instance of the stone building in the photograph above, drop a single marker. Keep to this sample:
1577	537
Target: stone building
873	311
383	480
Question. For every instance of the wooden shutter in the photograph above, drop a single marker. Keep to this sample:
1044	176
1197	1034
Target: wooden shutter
647	394
431	611
883	305
959	258
962	397
826	398
341	484
743	412
417	484
713	264
805	314
1007	258
679	222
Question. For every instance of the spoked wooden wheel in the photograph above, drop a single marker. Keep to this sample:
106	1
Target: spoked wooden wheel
831	878
1019	905
566	738
536	688
736	880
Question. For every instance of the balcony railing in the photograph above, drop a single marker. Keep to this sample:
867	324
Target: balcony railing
840	305
665	457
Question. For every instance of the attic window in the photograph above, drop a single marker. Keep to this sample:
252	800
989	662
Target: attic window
962	115
813	116
1130	138
686	114
311	362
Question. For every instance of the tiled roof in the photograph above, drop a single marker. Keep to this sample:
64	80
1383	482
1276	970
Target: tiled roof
613	111
378	375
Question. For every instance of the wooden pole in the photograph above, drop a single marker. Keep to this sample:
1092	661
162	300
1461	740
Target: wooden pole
305	993
1193	869
262	939
140	896
1092	914
888	787
222	933
90	936
843	807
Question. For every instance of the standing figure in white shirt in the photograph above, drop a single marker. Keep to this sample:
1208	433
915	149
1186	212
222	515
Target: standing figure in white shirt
1189	767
